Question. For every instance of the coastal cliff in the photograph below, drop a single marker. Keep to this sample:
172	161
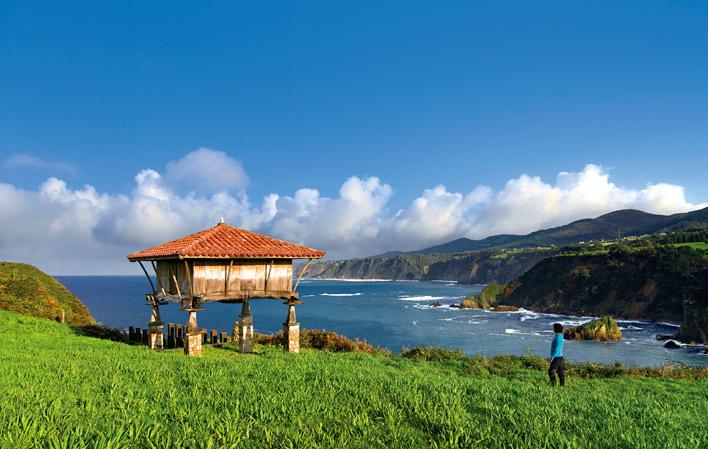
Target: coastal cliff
471	268
668	284
502	258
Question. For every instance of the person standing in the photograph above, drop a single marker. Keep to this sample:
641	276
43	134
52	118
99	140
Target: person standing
557	356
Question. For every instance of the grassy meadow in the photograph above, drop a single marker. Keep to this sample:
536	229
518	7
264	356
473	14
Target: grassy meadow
59	389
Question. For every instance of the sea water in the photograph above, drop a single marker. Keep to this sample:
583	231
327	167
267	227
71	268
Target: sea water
394	315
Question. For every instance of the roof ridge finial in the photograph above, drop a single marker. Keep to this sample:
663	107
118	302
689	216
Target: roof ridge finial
221	221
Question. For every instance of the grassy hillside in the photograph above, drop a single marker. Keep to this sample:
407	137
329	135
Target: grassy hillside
27	290
629	221
465	260
59	389
664	283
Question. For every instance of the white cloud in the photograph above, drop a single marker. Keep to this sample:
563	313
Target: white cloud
66	230
207	170
24	160
342	224
526	203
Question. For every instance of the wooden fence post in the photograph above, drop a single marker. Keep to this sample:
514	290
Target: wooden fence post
180	335
171	340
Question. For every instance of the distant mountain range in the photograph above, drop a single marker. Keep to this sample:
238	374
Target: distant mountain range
475	261
627	222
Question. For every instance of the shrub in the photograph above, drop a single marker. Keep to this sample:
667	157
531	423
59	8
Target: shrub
434	354
103	332
321	339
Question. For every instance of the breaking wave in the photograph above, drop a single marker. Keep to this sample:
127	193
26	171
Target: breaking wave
424	298
341	294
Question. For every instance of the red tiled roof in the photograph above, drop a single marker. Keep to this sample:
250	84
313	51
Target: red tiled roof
224	241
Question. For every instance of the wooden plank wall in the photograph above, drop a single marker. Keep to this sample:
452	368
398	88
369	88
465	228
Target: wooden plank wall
225	277
210	277
167	271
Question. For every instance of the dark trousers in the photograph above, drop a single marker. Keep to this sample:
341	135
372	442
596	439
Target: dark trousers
556	367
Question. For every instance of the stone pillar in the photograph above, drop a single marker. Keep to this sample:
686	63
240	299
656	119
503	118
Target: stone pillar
234	332
156	338
193	336
245	328
291	329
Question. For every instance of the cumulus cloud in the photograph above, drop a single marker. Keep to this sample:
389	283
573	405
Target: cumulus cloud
527	203
65	230
343	223
207	170
24	160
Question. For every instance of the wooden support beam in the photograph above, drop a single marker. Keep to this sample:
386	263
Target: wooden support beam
152	286
307	264
268	270
228	277
179	294
189	280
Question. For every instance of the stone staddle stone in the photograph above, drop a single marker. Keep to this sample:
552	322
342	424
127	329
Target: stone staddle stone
193	343
292	337
156	338
245	334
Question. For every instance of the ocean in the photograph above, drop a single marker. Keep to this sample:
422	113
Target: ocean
394	315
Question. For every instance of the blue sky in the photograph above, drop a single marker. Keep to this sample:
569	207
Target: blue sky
417	94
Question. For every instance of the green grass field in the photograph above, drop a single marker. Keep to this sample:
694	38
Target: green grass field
62	390
701	246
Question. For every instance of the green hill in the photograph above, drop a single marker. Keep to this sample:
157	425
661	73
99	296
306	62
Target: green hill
460	259
668	283
59	389
629	222
29	291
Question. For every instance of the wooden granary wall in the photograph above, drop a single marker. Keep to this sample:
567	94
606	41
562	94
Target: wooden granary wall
227	280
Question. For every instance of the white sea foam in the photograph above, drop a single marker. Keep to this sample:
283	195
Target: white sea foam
512	331
340	294
667	324
308	296
577	322
663	323
423	298
528	315
415	323
353	280
428	306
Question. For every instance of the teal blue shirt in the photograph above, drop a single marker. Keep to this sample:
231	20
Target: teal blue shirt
557	346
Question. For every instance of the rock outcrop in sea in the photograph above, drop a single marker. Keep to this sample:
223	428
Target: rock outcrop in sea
603	329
